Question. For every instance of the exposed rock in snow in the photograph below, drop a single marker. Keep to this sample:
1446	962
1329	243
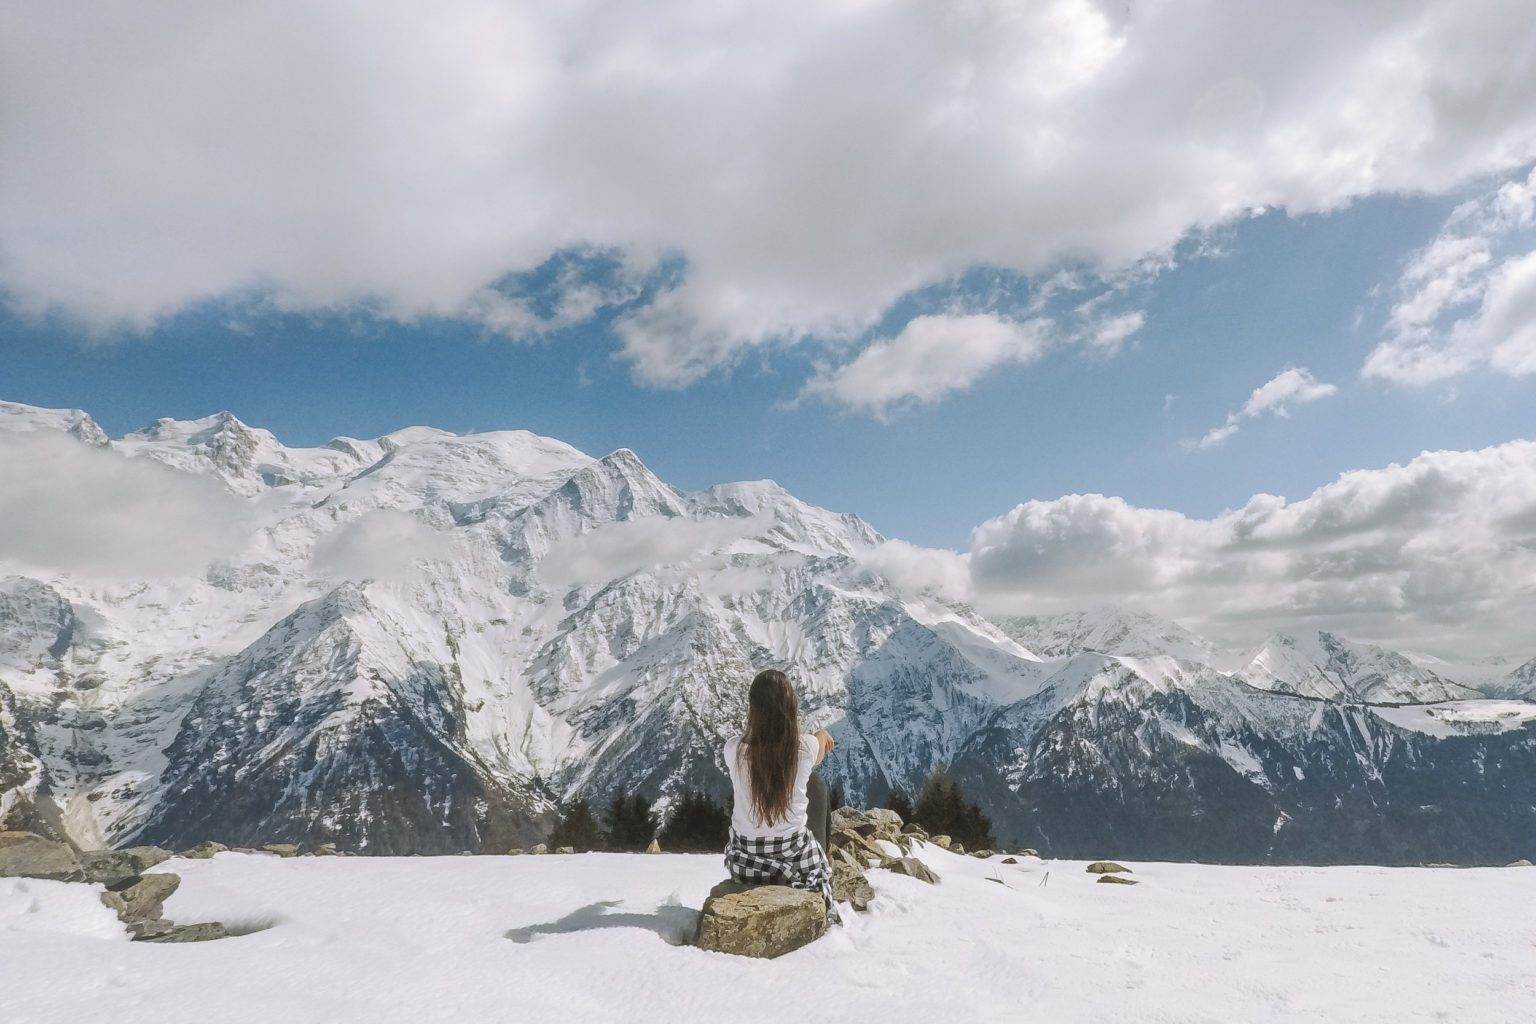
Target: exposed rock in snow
1320	664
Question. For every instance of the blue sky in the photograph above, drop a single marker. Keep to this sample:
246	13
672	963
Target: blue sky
1282	292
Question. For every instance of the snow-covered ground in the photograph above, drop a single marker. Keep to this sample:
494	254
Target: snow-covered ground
596	937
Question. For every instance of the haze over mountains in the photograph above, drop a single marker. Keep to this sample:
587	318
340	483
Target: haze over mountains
426	642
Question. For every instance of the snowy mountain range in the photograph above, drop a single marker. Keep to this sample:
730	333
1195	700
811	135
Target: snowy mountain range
427	642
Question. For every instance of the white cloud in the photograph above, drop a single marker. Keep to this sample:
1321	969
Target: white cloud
931	357
1440	551
917	571
811	163
614	550
1468	298
67	506
383	544
1292	386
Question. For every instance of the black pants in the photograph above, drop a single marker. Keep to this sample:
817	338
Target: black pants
818	809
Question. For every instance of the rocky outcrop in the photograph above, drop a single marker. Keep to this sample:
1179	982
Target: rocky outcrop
764	921
203	851
913	868
1105	867
27	855
850	885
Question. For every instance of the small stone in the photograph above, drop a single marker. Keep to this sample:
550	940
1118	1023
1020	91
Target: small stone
1105	867
565	849
1117	880
912	868
282	849
516	851
981	854
203	851
28	855
1521	863
539	848
850	886
1028	853
942	841
655	847
765	921
1010	860
956	847
204	932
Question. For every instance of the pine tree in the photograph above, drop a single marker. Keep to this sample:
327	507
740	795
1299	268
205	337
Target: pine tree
901	804
630	825
696	825
943	810
577	829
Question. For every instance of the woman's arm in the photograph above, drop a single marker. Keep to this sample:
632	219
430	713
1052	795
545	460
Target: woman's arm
825	743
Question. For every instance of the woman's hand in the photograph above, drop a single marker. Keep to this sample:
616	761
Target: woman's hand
827	742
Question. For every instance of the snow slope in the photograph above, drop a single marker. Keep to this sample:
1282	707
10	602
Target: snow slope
1321	664
594	938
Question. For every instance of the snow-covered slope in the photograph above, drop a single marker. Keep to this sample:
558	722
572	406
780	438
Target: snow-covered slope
601	937
1519	684
425	642
1321	664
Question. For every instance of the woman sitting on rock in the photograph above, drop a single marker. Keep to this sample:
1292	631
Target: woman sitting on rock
780	817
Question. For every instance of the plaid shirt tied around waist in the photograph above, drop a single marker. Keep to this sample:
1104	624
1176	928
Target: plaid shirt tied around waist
795	860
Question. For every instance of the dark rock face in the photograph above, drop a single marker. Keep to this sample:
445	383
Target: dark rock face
1321	783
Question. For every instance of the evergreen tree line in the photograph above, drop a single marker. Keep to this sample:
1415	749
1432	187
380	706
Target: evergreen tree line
697	823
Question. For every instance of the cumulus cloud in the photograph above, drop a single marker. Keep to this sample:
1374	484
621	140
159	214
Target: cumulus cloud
1440	551
1292	386
1468	298
72	507
614	550
919	571
383	544
809	163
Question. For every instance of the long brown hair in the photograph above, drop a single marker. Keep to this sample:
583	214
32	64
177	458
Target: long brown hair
771	744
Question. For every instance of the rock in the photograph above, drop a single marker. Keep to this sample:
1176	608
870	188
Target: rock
109	867
141	899
956	847
1521	863
204	932
146	930
943	841
565	849
539	848
1010	860
655	847
282	849
516	851
764	921
981	854
853	820
885	820
146	857
1028	853
28	855
913	829
327	850
1118	880
203	851
1105	867
850	886
912	868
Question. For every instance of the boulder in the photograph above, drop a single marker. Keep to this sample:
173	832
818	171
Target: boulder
1118	880
516	851
914	829
956	847
912	868
655	847
1106	867
141	899
850	886
1521	863
764	921
203	851
327	850
943	841
146	857
147	930
885	819
189	933
539	848
565	849
109	867
1028	853
29	855
282	849
981	854
1010	860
